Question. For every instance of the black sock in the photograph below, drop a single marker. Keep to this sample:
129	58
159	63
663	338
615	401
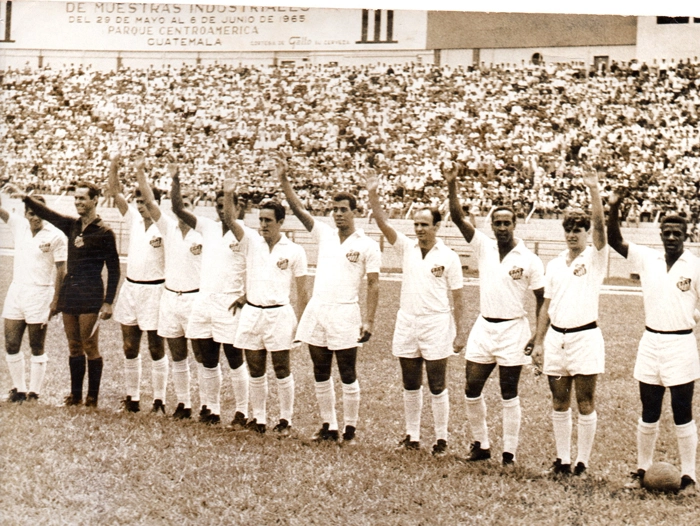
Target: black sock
77	375
94	376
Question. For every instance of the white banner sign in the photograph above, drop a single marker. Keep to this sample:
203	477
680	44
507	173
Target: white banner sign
198	27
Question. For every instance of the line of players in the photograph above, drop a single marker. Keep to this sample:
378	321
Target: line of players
220	283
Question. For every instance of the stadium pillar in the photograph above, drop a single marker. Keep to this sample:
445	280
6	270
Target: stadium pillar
437	57
40	60
119	61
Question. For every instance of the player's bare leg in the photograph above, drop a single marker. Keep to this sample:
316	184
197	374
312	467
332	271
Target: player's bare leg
181	377
131	335
240	380
436	371
347	360
159	371
476	376
14	331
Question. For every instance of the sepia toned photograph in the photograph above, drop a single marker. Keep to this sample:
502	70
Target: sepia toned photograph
394	264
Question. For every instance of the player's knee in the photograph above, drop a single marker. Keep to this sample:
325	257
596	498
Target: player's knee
438	388
75	348
234	356
586	407
130	351
508	392
12	347
348	375
282	371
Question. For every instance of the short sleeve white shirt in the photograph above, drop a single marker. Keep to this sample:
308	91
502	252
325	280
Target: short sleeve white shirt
146	259
426	281
670	296
504	284
269	273
223	262
341	266
183	255
574	289
36	256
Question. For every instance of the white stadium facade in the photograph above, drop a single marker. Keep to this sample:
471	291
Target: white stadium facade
109	35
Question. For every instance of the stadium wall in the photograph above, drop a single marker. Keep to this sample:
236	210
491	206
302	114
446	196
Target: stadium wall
491	57
668	41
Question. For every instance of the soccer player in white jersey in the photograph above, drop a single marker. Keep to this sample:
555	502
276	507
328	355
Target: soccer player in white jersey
507	270
183	257
573	347
32	298
267	320
211	323
668	352
427	329
332	323
139	297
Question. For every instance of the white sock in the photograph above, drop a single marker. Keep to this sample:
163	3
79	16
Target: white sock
561	421
351	403
511	424
240	379
587	425
413	406
476	414
325	394
258	398
159	375
687	436
15	362
285	393
203	401
181	382
646	443
440	404
212	387
37	370
132	377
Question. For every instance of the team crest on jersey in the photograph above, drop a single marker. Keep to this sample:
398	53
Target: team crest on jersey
79	242
156	242
684	284
516	273
282	264
196	249
438	271
353	256
235	247
580	270
45	247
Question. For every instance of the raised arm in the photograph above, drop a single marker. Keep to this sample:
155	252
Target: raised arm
292	198
230	211
380	216
450	175
113	186
63	223
178	206
615	239
590	179
148	198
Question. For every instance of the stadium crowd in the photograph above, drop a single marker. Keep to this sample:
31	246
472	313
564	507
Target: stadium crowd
519	127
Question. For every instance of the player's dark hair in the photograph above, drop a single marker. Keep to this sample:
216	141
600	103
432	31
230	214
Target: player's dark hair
345	196
157	194
434	212
504	208
674	219
93	189
576	218
271	204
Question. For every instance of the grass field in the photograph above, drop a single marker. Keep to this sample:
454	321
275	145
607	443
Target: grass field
82	466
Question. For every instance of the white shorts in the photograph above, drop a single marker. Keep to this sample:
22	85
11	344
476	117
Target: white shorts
503	343
667	359
211	318
335	326
572	353
270	329
31	303
429	337
138	305
174	313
